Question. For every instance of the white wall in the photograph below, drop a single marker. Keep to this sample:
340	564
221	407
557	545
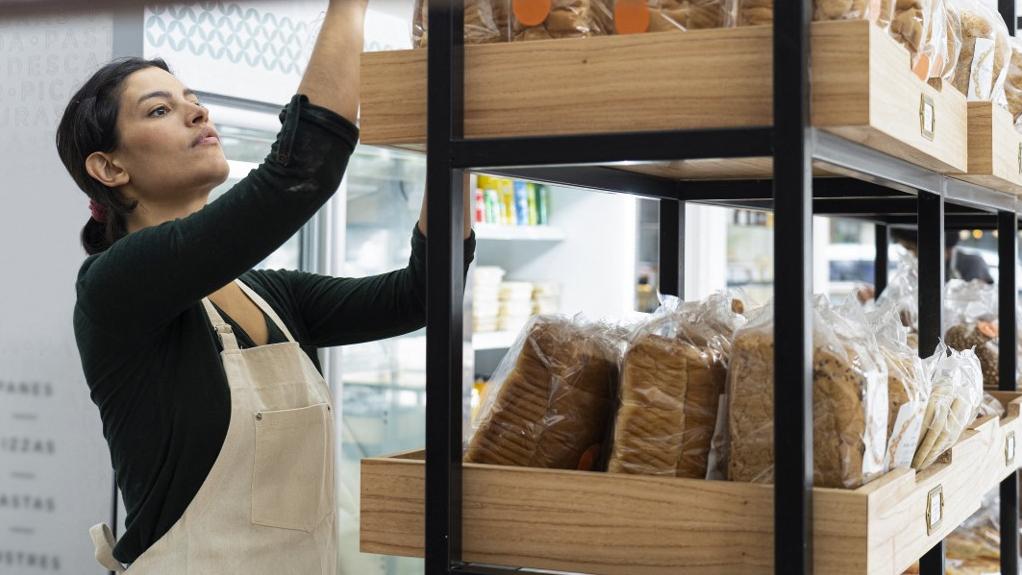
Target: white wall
42	61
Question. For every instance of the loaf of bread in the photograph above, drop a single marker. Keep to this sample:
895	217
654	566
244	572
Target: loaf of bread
907	398
486	21
983	60
669	395
556	400
850	404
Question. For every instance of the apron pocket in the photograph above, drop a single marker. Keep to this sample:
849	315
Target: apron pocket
292	483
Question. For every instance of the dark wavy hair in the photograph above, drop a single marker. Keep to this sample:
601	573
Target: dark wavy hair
89	124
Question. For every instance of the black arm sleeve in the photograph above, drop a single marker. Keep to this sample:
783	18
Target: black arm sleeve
150	276
340	310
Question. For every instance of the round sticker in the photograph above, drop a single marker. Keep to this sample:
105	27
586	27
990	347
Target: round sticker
531	12
987	328
631	16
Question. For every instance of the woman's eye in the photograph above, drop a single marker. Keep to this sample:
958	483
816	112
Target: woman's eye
158	109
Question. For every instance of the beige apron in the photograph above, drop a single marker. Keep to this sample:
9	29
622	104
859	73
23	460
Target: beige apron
267	505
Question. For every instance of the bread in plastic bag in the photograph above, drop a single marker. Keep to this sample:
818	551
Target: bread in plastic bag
956	391
907	386
760	12
983	60
672	376
970	322
1013	82
551	398
850	399
939	53
486	21
911	25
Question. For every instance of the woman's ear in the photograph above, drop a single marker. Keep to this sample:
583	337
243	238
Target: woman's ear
102	167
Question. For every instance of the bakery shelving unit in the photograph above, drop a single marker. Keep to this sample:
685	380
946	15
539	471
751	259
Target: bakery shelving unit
669	116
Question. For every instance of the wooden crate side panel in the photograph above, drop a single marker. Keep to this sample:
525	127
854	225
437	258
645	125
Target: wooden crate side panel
713	78
598	523
1007	149
898	529
981	138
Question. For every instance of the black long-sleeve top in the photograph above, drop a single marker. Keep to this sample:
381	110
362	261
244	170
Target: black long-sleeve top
148	351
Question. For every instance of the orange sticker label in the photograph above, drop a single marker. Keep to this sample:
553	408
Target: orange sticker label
631	16
987	328
531	12
922	67
587	462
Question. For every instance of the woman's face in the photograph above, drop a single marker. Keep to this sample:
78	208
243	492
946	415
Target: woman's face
168	145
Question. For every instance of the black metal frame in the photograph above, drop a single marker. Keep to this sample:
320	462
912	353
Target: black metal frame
879	188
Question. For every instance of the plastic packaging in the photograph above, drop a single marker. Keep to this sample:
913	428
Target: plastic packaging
912	25
907	385
990	407
850	399
939	53
760	12
672	376
555	19
955	397
983	60
970	322
902	293
1013	82
486	21
551	398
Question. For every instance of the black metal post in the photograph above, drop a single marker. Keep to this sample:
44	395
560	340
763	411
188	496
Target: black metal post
444	267
1007	247
931	286
793	243
672	248
880	260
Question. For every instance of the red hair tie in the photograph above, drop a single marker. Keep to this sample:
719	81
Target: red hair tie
98	211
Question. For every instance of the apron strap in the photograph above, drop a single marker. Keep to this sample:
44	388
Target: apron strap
223	329
259	301
103	541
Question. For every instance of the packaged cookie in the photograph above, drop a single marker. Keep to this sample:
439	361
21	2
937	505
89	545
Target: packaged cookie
551	399
672	376
850	399
911	25
938	56
486	21
759	12
549	19
955	395
637	16
983	60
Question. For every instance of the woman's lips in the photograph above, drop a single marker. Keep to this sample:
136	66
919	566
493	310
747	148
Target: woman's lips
209	140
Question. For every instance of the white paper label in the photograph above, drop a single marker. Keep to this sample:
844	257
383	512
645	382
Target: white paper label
905	436
1009	449
927	116
981	77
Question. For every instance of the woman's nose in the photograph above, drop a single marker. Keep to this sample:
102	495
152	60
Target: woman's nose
199	115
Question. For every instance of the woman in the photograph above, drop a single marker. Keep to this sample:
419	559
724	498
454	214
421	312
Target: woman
204	370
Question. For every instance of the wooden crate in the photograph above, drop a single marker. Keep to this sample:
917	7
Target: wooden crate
863	89
611	524
995	149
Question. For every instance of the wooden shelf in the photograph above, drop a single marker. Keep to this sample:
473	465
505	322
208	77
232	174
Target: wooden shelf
593	522
863	91
518	233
